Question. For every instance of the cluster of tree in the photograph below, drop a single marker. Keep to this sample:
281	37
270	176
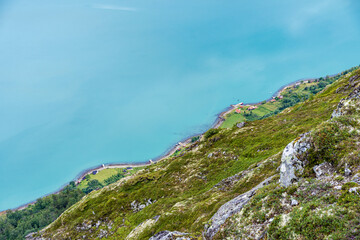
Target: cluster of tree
293	97
96	184
290	99
211	132
250	116
17	224
92	185
194	139
322	83
114	178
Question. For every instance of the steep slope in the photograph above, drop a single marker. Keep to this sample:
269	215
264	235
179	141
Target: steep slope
320	175
182	194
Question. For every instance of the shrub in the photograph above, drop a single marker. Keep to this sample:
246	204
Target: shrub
194	139
210	133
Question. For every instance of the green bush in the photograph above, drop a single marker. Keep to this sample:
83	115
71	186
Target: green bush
194	139
17	224
210	133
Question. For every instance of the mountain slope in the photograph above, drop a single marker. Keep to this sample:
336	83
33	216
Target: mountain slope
183	193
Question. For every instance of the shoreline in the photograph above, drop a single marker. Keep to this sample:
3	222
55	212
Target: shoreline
216	124
220	116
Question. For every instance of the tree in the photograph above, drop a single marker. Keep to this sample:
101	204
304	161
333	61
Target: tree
93	185
17	224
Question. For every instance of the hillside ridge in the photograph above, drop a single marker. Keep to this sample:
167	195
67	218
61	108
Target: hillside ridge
293	175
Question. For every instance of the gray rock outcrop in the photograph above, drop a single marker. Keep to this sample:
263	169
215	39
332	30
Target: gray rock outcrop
167	235
323	169
348	104
230	208
356	178
354	190
136	206
240	125
347	170
290	162
294	202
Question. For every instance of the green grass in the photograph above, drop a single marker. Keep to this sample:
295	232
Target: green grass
233	117
272	106
302	91
102	175
183	185
232	120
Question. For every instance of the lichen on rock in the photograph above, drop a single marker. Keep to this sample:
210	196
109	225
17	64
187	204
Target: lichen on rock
349	105
229	209
290	162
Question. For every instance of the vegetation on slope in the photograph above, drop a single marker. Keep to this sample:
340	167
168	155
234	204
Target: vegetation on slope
325	203
289	96
182	193
17	224
104	177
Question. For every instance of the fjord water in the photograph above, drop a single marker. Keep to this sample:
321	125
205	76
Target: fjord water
89	82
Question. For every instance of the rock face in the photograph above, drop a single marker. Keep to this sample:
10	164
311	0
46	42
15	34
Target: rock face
290	162
348	104
134	234
230	208
167	235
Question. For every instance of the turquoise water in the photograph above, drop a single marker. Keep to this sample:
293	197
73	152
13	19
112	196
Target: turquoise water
89	82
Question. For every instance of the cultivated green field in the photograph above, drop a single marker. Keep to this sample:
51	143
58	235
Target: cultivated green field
102	175
291	96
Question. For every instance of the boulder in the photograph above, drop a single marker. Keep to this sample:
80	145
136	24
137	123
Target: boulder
294	202
355	190
167	235
347	170
356	178
338	111
290	162
136	206
323	169
240	125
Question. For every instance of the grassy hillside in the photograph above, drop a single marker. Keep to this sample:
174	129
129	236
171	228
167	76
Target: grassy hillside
289	96
17	224
105	177
182	193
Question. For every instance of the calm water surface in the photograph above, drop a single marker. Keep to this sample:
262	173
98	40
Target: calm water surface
88	82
